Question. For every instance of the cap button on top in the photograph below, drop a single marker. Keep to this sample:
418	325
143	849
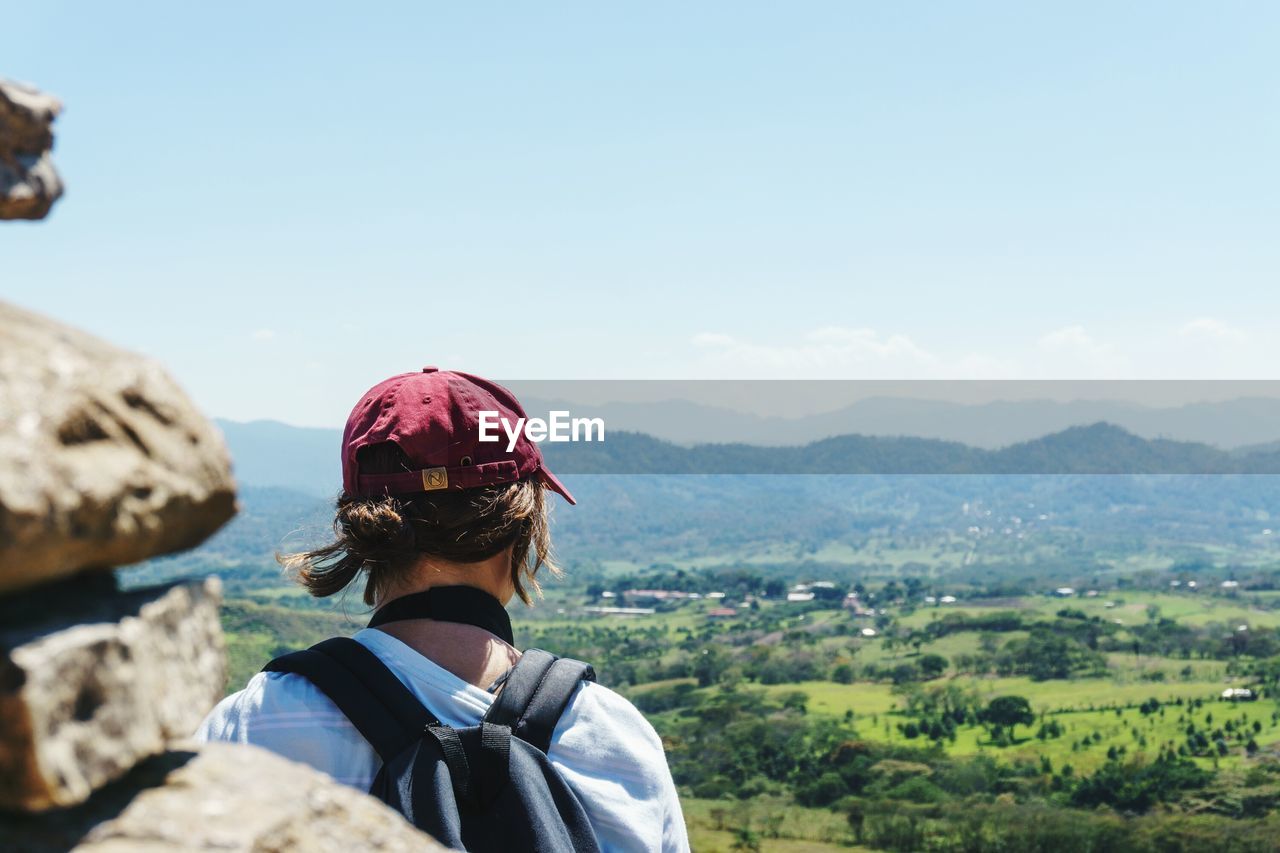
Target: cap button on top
430	369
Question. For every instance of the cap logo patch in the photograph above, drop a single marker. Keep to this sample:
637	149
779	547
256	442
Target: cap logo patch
434	479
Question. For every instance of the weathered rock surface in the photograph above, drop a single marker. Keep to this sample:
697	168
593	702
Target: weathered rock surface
227	798
103	459
29	184
93	680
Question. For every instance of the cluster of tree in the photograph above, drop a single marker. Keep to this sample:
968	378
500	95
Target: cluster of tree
737	743
741	743
1216	741
977	826
935	712
734	582
1213	641
1137	786
1050	729
996	622
622	654
1048	654
909	671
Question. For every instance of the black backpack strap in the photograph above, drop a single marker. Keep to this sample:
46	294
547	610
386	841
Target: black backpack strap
455	756
380	681
536	694
376	702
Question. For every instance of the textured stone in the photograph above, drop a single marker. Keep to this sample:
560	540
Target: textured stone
224	797
93	680
60	830
232	797
103	459
29	185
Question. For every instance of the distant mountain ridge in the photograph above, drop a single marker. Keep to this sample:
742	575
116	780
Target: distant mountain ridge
1095	449
277	455
288	481
1235	423
272	454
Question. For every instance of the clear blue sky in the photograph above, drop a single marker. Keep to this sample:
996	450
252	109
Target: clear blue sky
285	202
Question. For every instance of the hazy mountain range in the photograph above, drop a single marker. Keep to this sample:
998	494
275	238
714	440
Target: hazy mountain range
275	455
1229	424
1033	511
272	454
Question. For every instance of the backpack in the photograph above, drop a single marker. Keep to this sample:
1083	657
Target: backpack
481	788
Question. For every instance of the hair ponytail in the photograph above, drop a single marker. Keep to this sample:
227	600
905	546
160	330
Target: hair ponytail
386	538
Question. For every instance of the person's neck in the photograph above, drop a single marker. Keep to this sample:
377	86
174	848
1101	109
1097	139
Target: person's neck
469	652
492	576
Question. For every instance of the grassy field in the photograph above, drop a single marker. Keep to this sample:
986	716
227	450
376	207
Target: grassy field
1086	708
781	827
1128	608
1099	716
256	633
703	840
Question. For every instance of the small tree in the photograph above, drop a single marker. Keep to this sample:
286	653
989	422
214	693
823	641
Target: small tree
1008	712
857	817
709	665
746	838
932	666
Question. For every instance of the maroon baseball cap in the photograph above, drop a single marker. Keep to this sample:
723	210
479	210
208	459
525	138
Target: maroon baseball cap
434	418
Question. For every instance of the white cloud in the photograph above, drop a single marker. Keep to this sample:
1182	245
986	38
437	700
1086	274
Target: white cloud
712	339
1073	340
839	352
1068	352
820	349
1213	330
1072	352
263	334
1202	348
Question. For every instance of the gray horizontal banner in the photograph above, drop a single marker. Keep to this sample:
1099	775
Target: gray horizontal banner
906	427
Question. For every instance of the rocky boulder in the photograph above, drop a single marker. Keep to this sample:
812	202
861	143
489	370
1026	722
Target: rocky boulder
29	185
94	680
227	798
104	461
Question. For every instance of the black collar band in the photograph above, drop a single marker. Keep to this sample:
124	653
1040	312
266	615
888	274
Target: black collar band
464	604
